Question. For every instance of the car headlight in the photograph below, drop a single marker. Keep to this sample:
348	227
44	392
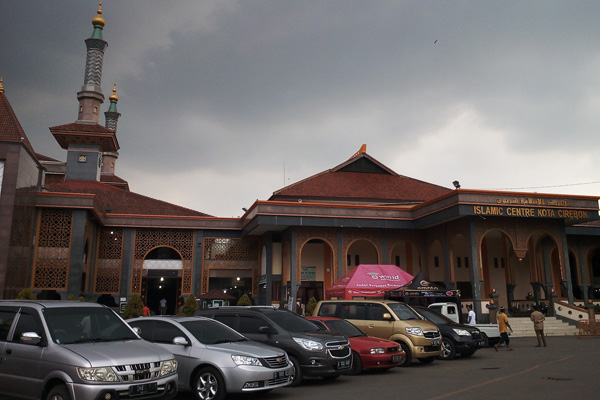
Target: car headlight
97	374
379	350
414	331
245	360
168	367
461	332
309	344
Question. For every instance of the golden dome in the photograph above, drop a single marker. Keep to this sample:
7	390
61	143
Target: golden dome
113	96
98	20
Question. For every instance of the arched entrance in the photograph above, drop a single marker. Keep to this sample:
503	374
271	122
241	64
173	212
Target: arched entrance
595	275
361	251
405	255
161	279
316	270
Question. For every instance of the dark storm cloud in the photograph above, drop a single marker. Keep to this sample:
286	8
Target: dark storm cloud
224	93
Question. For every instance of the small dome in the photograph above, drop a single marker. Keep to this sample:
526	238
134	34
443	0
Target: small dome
98	20
113	96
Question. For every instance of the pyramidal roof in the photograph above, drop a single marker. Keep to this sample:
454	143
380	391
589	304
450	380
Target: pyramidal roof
360	179
10	127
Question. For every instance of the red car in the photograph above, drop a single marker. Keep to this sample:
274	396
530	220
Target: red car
368	352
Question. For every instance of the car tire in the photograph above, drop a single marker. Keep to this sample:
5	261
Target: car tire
297	379
426	360
357	366
59	392
408	358
208	384
448	349
486	340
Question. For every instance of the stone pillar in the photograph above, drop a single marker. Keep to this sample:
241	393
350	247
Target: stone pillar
476	280
510	293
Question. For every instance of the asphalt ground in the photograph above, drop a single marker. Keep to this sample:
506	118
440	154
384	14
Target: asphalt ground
569	368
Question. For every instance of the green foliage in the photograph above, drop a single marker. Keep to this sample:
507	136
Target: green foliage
190	306
134	307
310	306
244	300
71	297
26	294
81	298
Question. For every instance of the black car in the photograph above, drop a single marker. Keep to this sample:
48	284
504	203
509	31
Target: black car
313	352
457	339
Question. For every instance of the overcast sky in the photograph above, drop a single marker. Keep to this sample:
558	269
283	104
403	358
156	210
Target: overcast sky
225	102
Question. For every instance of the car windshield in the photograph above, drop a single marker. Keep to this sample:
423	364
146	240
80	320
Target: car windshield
433	316
69	325
291	322
403	312
344	327
212	332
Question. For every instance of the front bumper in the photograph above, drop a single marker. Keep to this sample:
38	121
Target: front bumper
247	378
386	360
318	366
160	389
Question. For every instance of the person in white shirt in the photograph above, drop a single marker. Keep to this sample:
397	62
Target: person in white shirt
471	317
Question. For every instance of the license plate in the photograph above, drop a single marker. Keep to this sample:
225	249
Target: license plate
281	374
397	358
435	342
344	364
139	390
481	343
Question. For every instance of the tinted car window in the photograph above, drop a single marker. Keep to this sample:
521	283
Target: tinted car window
228	320
212	332
375	312
6	319
403	312
250	324
344	327
164	332
146	328
291	322
434	317
354	311
26	323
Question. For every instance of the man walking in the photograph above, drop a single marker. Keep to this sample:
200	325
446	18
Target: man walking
503	327
471	317
538	325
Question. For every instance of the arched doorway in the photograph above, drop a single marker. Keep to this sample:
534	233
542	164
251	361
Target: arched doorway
361	251
161	279
595	275
316	270
405	255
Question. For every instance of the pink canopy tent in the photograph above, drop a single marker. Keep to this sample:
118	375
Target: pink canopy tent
368	280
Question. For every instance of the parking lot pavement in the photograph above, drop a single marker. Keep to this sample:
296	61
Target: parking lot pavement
567	369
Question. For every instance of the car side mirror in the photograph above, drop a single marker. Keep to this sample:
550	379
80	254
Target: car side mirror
387	316
30	338
267	330
180	341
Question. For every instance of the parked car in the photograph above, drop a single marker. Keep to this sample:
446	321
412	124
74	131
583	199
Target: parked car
457	339
391	320
71	350
311	351
213	358
368	352
489	332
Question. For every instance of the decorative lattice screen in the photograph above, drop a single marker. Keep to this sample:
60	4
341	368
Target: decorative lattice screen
226	253
51	268
108	263
147	239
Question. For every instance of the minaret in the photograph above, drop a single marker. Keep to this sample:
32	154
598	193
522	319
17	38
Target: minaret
90	97
109	159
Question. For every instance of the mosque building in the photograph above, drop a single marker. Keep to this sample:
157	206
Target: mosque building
75	227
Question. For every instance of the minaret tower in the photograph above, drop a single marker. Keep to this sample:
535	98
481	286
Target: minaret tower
90	97
111	116
85	139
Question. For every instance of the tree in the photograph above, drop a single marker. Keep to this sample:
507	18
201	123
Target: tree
71	297
26	294
244	300
190	306
134	307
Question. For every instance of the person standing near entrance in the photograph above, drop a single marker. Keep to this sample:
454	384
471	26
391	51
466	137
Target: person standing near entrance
538	325
503	327
163	306
471	317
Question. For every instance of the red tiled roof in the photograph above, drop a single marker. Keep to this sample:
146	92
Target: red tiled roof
83	127
85	133
10	127
115	181
347	182
120	201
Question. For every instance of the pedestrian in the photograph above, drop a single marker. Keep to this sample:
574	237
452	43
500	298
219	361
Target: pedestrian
538	325
163	306
471	317
146	310
503	327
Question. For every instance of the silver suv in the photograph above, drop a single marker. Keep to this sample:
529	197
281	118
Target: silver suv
63	350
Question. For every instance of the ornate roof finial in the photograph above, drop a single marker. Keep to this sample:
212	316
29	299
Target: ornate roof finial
98	20
113	96
1	87
362	150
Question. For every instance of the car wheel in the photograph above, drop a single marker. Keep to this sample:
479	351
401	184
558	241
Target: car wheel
426	360
486	341
58	392
297	378
208	384
357	366
448	349
408	358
